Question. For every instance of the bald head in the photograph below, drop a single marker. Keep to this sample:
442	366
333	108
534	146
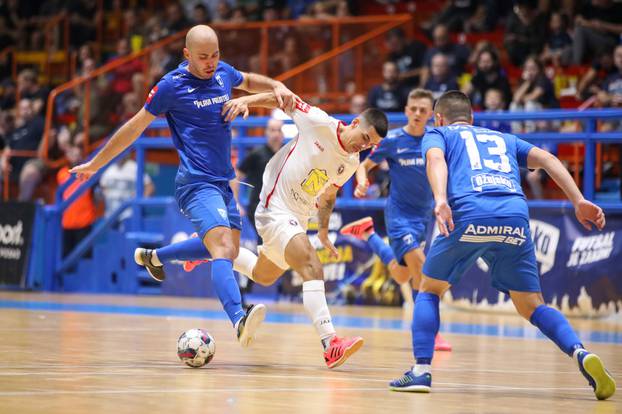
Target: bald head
201	35
202	51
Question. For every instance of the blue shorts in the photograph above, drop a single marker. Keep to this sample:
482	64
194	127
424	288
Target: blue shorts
405	233
208	205
505	245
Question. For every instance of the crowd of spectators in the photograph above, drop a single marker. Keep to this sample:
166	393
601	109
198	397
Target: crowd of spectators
536	38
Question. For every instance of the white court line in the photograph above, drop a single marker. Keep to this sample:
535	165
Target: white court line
135	370
449	387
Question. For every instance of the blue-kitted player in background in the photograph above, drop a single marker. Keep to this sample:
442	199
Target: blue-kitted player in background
480	210
409	205
192	98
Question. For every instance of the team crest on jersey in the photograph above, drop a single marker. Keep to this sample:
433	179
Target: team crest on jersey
293	222
219	80
341	169
222	212
152	93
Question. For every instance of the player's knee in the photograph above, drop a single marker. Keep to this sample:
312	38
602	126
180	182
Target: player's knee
398	273
311	270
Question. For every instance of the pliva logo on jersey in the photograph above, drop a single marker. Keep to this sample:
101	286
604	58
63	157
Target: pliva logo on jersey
211	101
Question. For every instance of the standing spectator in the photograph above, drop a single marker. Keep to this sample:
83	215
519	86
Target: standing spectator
598	27
251	168
525	32
118	184
558	47
408	56
441	78
389	96
488	75
81	214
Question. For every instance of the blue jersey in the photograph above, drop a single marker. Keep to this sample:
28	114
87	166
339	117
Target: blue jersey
193	111
483	170
410	191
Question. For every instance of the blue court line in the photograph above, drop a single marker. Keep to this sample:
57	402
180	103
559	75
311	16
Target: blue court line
614	337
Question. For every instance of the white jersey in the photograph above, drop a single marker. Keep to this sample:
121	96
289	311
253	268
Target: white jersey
302	170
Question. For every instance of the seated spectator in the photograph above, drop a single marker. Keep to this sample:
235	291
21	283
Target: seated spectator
494	101
26	136
200	14
598	27
589	83
118	184
488	75
558	48
525	31
455	14
390	96
408	56
534	93
441	78
29	88
358	103
457	55
610	94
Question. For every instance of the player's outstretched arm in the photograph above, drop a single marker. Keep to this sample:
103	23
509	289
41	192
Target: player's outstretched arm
326	204
586	211
255	83
240	106
116	144
361	177
436	169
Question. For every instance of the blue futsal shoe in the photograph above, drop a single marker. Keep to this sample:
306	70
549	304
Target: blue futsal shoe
411	383
594	371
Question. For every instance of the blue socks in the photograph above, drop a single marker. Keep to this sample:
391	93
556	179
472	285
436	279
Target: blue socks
412	325
426	321
556	327
381	249
190	249
227	289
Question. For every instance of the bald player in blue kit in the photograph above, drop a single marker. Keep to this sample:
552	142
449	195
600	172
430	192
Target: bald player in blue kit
481	210
192	98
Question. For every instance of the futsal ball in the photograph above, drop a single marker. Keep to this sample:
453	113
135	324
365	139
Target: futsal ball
196	347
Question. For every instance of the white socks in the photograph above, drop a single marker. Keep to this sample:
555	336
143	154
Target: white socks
245	262
314	301
155	260
420	369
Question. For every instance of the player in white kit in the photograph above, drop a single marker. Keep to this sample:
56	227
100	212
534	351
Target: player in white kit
300	181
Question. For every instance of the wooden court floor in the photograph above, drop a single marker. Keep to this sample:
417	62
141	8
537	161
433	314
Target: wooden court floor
116	354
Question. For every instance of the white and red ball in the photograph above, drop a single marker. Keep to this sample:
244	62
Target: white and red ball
196	347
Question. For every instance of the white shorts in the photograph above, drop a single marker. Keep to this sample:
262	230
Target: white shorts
277	227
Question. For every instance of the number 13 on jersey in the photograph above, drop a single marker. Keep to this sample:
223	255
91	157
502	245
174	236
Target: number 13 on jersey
499	149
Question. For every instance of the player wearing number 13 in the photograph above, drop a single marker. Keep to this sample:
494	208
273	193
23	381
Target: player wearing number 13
480	210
